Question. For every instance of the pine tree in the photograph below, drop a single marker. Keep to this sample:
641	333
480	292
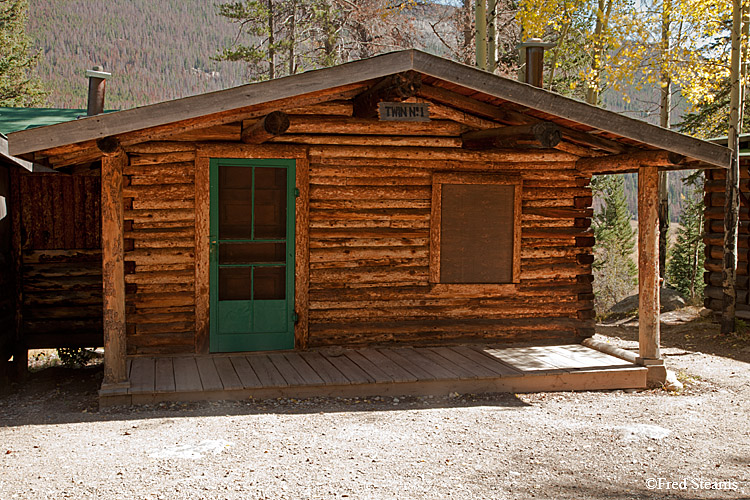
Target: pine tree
263	23
17	87
686	261
615	273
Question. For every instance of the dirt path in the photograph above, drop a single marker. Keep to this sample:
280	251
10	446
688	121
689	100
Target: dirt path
650	444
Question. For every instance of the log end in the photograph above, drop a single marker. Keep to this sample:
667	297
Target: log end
108	145
548	134
276	122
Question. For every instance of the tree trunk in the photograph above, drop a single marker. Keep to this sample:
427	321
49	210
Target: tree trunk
491	34
592	92
271	48
468	30
665	108
732	199
480	14
293	35
604	10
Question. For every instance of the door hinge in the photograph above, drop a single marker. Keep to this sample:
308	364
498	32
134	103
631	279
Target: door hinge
296	192
295	317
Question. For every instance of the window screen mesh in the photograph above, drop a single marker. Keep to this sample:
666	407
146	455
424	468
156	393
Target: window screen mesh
476	233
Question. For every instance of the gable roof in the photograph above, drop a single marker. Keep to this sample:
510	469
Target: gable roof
469	80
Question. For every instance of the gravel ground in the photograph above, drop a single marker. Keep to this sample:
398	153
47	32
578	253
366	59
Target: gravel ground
54	443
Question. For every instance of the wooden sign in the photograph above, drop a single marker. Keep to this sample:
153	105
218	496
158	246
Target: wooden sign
404	111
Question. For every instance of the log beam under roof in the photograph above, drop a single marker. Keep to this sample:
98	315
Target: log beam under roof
396	87
272	125
512	117
539	135
629	162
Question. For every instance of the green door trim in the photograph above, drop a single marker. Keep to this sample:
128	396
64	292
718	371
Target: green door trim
256	338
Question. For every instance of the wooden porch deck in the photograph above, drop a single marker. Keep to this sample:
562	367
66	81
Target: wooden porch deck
374	371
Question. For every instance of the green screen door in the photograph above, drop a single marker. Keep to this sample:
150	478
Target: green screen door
252	255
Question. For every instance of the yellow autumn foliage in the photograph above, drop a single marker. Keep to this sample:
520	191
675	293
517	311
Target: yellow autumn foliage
623	41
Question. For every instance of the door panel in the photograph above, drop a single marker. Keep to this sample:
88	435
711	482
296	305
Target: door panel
252	255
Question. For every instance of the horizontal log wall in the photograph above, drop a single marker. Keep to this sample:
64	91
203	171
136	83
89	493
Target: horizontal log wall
370	237
159	235
62	298
714	240
369	227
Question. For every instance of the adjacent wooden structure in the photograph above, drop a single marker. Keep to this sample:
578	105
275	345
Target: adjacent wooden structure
50	285
714	235
471	227
57	254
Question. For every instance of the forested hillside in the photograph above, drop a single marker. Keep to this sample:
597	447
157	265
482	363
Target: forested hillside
162	49
155	49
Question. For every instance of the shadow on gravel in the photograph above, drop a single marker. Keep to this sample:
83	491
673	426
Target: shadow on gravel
694	334
59	395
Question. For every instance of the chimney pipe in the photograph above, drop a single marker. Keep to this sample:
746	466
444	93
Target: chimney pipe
97	83
533	57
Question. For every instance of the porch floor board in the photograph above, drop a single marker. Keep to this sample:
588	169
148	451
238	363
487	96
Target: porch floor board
375	371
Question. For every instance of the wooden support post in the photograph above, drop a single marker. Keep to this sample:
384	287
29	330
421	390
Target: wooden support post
302	257
648	274
539	135
20	352
202	253
113	274
268	127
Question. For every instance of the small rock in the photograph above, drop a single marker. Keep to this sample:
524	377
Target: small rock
705	313
671	383
635	432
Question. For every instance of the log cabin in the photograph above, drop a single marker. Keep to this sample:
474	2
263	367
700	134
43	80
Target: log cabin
403	199
713	237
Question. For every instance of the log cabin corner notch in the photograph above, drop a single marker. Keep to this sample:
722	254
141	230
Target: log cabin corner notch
377	228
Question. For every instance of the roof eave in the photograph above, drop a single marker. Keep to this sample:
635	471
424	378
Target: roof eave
160	114
570	109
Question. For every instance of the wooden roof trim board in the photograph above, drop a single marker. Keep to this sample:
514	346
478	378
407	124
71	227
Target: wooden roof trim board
245	96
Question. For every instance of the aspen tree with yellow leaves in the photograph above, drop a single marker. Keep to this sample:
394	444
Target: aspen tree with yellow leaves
732	187
587	31
657	43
